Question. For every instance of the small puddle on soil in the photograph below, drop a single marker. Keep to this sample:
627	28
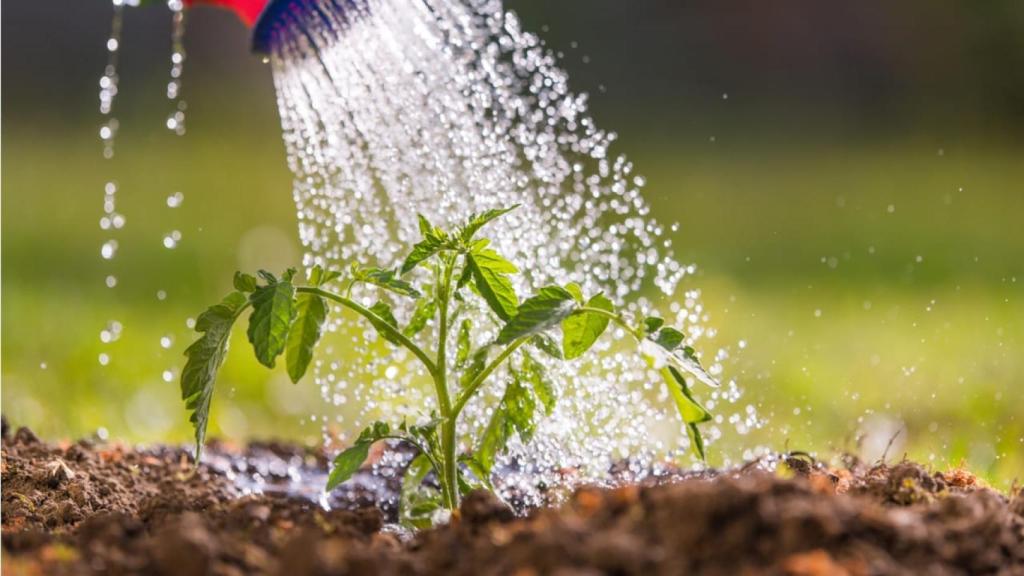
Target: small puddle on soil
290	471
287	471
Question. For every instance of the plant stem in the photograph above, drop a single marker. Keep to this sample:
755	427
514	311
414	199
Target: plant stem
467	393
378	323
450	473
617	319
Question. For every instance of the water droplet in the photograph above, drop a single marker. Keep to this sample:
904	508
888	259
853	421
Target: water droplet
104	358
171	240
166	342
175	200
110	281
168	376
109	249
176	119
161	295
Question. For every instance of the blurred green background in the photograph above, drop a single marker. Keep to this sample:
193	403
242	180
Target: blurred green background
848	178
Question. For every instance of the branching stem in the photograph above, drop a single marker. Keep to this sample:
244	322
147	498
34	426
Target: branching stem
377	321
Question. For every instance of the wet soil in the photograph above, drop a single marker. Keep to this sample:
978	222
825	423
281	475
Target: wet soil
102	508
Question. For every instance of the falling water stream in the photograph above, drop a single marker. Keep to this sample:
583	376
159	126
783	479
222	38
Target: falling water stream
391	108
111	221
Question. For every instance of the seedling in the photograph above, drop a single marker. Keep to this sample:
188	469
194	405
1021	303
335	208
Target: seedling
288	319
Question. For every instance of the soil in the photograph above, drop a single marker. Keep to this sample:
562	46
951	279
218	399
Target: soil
93	507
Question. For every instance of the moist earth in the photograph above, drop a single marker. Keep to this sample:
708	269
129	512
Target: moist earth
94	507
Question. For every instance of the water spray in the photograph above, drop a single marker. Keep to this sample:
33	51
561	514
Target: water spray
394	108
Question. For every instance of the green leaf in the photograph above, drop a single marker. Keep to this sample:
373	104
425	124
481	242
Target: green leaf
348	462
547	345
421	252
425	433
690	410
244	282
696	441
418	503
652	324
478	470
383	311
387	279
581	331
426	309
310	315
466	486
478	221
476	365
514	414
491	260
576	290
537	376
490	275
669	338
545	310
464	342
434	240
521	406
426	228
465	276
318	276
205	357
686	360
272	315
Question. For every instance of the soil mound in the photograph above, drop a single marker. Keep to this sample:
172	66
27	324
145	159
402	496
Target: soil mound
97	508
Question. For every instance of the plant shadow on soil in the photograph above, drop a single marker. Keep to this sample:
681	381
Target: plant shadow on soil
92	507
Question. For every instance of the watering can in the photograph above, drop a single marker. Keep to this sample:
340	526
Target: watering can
266	17
247	10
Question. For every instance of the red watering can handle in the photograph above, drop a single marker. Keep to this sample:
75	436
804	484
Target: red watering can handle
247	10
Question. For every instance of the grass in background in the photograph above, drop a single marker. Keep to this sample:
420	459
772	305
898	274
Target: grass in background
875	288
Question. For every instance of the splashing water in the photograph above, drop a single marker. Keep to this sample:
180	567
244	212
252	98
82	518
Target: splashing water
446	108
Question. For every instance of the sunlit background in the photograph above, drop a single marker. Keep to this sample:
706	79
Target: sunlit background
848	178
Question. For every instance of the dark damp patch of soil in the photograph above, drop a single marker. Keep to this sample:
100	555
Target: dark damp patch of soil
96	508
